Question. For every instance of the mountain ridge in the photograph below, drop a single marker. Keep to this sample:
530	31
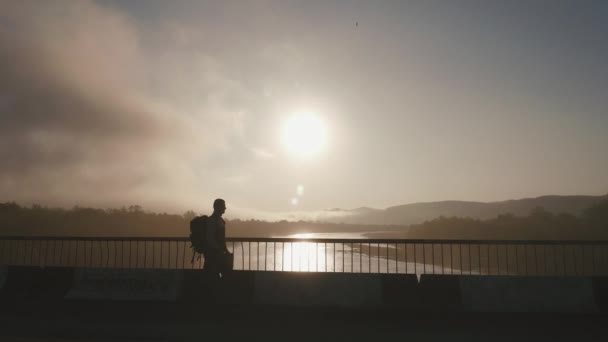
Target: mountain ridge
418	212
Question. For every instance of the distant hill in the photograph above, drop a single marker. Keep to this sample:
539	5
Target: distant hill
415	213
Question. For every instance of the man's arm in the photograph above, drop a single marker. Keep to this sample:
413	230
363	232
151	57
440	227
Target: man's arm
222	237
212	234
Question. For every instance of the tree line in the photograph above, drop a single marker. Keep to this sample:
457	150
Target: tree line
539	224
134	221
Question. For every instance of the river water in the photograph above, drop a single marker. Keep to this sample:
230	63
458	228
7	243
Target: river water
337	257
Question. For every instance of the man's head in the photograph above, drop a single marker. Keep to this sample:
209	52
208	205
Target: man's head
219	206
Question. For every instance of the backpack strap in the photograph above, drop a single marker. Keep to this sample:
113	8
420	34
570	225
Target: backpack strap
193	254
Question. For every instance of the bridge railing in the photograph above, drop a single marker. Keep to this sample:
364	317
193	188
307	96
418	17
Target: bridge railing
403	256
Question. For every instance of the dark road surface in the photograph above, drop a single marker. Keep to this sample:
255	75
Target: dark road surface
147	321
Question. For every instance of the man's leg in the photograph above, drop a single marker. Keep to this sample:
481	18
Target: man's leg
226	262
212	264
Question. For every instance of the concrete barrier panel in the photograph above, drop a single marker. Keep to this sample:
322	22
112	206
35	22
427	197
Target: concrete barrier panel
36	282
600	292
235	288
528	294
318	289
3	273
400	291
440	293
126	284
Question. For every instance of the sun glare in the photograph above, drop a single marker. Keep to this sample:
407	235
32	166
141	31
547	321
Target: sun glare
304	135
303	236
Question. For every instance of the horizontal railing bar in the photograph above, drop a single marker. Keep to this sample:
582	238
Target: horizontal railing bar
97	238
326	240
426	241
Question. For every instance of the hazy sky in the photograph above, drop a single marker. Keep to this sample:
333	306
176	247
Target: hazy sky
170	104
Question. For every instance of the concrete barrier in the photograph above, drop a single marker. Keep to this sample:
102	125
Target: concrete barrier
600	292
440	293
391	291
528	294
400	291
235	288
126	284
38	283
3	273
318	289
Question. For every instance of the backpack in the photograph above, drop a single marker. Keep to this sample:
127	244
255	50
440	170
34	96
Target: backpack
198	231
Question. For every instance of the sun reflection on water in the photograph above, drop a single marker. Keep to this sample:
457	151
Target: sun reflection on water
302	256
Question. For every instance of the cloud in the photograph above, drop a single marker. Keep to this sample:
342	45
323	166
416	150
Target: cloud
90	114
238	178
310	216
262	154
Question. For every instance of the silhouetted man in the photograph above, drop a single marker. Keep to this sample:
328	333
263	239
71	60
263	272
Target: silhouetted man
217	253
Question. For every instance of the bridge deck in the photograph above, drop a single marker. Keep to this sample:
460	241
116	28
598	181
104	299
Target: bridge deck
123	321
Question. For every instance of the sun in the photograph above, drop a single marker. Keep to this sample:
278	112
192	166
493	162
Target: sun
304	135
